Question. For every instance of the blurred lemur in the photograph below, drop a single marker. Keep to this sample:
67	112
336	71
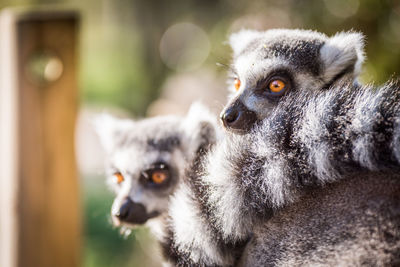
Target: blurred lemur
307	171
146	160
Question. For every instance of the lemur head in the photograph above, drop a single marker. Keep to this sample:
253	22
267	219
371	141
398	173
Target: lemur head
267	65
146	159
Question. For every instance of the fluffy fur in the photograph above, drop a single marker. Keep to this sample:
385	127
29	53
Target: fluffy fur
222	208
310	139
354	222
306	60
134	147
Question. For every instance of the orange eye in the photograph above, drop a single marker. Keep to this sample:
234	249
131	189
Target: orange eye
236	83
119	178
158	177
276	86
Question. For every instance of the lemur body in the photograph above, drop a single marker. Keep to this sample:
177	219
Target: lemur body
354	222
146	160
310	139
322	130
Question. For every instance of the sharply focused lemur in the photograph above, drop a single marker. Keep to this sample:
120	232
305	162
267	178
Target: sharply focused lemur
305	123
146	160
267	65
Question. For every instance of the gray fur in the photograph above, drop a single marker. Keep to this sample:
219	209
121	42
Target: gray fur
227	207
310	139
352	223
135	146
308	60
314	149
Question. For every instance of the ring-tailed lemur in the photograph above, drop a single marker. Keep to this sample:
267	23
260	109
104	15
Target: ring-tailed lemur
146	160
269	64
310	139
307	138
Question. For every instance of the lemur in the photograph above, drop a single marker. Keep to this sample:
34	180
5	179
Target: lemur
145	160
347	137
267	65
298	121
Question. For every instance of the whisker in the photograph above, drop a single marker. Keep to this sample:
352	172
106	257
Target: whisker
219	64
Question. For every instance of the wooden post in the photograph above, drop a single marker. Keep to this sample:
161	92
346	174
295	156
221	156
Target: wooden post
39	198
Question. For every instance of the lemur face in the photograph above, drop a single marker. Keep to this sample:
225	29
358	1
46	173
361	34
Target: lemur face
269	65
144	161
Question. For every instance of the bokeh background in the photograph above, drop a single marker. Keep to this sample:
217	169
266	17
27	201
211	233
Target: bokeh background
142	58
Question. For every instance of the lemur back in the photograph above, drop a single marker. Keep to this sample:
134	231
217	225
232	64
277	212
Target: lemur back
351	223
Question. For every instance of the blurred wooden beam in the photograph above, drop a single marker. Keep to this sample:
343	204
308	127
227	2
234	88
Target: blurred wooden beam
39	196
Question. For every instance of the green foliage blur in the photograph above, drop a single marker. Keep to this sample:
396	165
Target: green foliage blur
115	251
120	62
121	67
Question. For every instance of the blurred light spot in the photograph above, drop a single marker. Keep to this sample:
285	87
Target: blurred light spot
44	67
342	8
53	69
183	88
184	47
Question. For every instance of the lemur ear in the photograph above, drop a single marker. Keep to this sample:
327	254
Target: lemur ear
107	128
240	40
341	52
200	126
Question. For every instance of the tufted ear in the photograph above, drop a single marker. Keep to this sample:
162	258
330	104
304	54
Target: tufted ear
200	126
240	40
107	128
342	52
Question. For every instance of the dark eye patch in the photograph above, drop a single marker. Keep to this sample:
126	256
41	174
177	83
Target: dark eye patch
301	53
263	85
165	144
160	169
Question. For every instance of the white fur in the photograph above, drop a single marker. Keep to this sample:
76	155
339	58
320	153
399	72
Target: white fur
191	127
363	152
275	182
342	50
310	133
238	41
106	126
191	232
241	39
225	196
273	185
364	112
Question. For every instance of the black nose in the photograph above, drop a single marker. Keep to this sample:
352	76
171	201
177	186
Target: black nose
132	212
238	118
230	116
